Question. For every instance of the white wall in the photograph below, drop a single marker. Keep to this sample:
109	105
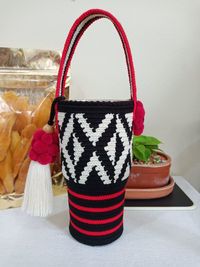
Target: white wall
165	40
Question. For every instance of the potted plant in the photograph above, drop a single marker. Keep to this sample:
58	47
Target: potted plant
150	165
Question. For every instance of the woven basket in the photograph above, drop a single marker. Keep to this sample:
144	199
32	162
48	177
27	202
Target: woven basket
95	143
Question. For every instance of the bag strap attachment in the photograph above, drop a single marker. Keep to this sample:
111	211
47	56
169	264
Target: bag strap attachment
75	33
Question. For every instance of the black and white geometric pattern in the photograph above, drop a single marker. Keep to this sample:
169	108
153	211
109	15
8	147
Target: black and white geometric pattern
95	146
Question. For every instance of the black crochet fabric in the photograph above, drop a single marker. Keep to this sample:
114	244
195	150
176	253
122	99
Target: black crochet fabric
96	212
95	142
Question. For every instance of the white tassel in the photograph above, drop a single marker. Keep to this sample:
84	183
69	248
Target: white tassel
38	194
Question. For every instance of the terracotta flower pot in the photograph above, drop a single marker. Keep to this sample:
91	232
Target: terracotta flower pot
150	176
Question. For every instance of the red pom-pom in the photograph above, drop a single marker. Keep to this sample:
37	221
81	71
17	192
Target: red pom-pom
44	147
47	138
53	150
33	155
38	134
44	159
39	147
138	120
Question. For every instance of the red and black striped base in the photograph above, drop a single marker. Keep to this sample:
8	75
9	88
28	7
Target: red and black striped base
96	218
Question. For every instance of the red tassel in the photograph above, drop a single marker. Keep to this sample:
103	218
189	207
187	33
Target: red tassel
38	194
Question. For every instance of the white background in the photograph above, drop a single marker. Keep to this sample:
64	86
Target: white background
165	41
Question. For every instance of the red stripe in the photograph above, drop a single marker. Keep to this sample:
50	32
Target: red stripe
87	209
105	197
91	233
109	220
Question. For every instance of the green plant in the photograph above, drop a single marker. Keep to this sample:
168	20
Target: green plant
144	147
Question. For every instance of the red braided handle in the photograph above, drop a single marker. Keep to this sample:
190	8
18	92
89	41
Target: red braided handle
75	33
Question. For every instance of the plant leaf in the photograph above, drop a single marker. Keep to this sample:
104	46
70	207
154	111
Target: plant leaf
152	141
148	153
139	152
146	140
152	146
139	139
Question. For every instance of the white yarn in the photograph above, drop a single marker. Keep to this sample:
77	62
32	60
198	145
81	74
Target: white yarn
67	134
38	194
94	162
94	136
111	148
78	149
124	138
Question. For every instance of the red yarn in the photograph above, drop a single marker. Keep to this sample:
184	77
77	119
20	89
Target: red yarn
47	138
44	158
39	147
53	150
44	147
138	120
33	155
55	138
38	134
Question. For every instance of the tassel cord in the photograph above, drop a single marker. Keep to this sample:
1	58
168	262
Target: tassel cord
53	109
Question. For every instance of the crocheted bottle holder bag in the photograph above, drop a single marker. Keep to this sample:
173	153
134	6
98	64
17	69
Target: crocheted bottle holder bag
95	144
